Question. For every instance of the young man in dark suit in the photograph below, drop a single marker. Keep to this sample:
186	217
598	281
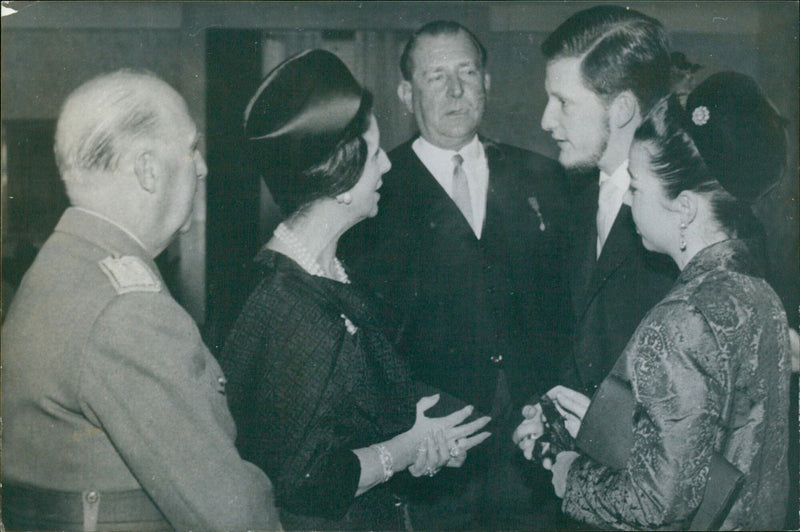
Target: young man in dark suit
606	66
463	260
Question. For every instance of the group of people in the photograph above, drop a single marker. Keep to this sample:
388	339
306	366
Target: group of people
404	386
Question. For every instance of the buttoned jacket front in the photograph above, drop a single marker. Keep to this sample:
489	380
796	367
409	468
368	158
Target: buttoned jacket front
461	308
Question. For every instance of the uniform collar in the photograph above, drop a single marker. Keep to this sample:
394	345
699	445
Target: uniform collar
99	229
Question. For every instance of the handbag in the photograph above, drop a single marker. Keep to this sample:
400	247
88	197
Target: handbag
606	435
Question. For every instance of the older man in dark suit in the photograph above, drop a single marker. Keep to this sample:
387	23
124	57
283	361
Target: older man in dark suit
462	258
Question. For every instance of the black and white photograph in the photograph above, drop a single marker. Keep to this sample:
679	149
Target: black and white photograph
399	265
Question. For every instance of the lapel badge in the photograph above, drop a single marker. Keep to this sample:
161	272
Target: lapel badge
534	203
352	329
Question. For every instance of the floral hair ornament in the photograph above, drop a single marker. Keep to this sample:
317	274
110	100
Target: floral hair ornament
700	115
744	147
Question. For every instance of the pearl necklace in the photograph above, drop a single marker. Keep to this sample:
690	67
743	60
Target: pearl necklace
303	257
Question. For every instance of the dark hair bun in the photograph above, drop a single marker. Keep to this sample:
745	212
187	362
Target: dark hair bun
738	133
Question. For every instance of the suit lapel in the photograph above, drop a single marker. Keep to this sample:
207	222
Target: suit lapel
583	257
507	203
621	242
496	204
441	212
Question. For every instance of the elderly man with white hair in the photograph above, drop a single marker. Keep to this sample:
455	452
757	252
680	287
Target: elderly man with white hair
114	411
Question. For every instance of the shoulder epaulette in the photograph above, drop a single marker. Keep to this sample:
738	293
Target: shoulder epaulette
130	274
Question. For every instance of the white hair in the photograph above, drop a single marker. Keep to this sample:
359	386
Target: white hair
101	117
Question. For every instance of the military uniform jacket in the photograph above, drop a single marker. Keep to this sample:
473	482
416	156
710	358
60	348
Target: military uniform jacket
107	386
462	308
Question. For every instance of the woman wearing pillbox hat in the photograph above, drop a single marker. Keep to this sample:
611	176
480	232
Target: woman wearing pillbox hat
709	366
322	401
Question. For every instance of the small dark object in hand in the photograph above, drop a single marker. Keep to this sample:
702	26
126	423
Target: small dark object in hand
555	433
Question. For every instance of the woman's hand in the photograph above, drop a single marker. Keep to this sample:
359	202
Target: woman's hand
444	440
430	457
530	430
572	405
462	438
569	403
560	470
425	448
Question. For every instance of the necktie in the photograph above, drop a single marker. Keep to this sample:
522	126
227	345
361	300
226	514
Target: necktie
605	218
461	188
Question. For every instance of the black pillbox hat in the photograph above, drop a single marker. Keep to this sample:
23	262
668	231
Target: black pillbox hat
300	113
738	133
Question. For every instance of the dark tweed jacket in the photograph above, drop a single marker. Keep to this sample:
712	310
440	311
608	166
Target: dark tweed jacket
310	377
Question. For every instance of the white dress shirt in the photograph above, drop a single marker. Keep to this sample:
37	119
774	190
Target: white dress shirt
612	195
439	163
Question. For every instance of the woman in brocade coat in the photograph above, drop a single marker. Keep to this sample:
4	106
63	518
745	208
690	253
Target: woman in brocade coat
709	366
321	400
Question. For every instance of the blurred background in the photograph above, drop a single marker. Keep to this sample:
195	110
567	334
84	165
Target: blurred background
215	54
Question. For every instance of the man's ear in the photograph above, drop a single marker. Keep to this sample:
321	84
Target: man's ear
624	108
406	94
145	169
487	82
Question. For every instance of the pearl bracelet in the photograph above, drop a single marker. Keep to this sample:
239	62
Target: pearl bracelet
387	462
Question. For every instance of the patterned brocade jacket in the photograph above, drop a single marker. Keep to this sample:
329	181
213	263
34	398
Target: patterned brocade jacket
709	367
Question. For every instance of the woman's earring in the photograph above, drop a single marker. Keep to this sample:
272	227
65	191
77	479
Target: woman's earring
345	198
683	237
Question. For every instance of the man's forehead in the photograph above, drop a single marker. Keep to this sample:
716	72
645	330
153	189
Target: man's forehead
445	49
564	74
564	67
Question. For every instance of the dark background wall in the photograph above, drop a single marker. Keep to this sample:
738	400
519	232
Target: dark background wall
215	52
